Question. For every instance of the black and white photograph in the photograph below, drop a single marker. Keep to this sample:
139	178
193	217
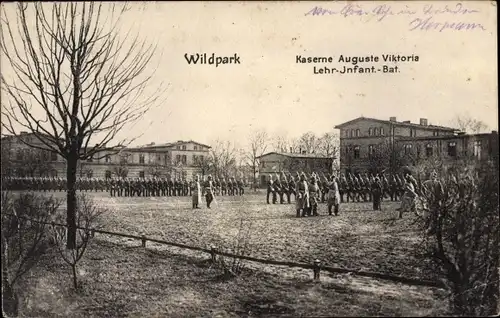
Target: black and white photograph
249	159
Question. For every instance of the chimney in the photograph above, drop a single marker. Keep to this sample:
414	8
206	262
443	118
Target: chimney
23	133
406	122
423	121
392	118
291	150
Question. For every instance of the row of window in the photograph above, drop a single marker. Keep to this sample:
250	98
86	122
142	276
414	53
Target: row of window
371	132
142	159
27	154
379	131
183	147
429	149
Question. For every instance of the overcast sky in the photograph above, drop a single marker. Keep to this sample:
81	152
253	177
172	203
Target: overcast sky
456	72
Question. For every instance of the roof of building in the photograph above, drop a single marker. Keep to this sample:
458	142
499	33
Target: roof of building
398	123
296	155
168	144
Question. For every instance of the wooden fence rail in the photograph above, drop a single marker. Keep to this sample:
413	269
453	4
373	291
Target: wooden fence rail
316	266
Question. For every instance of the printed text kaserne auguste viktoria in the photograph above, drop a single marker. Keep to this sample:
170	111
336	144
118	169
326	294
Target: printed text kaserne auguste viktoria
370	63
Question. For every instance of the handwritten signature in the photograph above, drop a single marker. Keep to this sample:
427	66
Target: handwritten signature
425	22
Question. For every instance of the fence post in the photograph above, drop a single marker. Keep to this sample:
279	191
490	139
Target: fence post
213	253
316	268
143	241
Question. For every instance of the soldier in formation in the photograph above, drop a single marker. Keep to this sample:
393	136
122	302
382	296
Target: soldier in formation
117	187
349	188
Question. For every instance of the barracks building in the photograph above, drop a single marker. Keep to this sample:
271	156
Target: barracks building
374	145
292	162
177	159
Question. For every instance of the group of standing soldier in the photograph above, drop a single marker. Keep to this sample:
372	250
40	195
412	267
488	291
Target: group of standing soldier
127	187
359	188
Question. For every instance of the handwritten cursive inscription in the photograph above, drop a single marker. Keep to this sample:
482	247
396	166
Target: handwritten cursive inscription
420	17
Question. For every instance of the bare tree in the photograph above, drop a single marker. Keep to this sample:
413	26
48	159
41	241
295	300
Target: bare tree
88	217
329	145
469	125
73	82
223	157
23	239
462	237
309	143
204	164
258	145
280	143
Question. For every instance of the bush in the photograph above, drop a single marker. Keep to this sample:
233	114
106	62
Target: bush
24	239
462	237
87	219
234	266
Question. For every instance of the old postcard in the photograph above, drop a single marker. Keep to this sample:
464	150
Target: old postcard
249	159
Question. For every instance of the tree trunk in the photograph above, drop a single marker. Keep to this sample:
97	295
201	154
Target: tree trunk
75	281
71	169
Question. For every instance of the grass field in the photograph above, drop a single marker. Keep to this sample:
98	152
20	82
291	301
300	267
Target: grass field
121	279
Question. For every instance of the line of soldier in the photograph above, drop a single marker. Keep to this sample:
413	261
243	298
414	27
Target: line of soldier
351	188
52	184
124	186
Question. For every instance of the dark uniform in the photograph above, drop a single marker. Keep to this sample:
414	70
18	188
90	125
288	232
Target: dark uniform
376	193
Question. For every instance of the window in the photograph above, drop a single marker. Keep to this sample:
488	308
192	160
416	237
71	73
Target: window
195	147
346	132
19	155
195	159
141	174
178	158
408	149
477	149
429	150
435	133
178	147
45	155
107	174
53	156
371	150
123	158
413	132
141	158
356	152
452	149
418	151
357	132
89	173
184	159
381	131
158	158
166	158
201	158
370	132
184	147
352	132
376	131
107	159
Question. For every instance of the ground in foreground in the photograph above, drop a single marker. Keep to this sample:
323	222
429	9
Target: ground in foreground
119	281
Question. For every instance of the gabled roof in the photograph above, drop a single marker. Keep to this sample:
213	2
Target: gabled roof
397	123
168	144
296	155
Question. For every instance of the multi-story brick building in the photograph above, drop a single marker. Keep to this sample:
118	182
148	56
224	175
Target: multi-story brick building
277	162
371	145
177	159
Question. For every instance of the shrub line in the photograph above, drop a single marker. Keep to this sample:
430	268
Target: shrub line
330	269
